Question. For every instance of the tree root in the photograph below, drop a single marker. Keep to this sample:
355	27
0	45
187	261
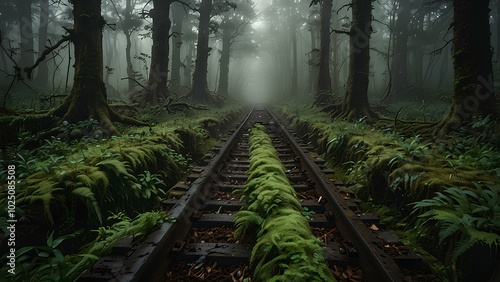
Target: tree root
124	106
448	124
172	104
332	109
7	112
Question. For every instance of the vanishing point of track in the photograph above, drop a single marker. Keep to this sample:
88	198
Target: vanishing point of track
353	240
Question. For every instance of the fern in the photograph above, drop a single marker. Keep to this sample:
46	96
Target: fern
472	216
471	238
140	226
115	168
246	223
44	191
120	179
88	196
99	183
85	180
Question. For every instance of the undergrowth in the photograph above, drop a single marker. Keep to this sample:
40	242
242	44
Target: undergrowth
461	219
74	180
384	168
49	262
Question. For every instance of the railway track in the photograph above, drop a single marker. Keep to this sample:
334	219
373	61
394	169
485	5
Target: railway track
200	244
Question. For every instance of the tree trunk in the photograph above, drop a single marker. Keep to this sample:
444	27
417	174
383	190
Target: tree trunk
312	84
314	63
336	65
418	49
200	93
130	68
355	104
178	13
400	63
42	75
473	93
156	90
109	54
188	78
498	32
324	80
88	98
293	38
224	61
127	31
26	34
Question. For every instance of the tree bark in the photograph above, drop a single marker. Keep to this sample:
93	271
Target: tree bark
42	76
473	92
324	80
355	104
200	93
88	98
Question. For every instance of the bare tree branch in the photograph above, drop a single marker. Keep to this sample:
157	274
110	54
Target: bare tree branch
47	51
339	31
438	51
134	80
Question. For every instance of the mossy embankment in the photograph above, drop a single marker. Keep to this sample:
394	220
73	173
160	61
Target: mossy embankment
392	172
82	180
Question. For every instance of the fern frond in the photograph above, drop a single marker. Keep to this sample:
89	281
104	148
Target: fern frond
247	223
44	192
115	168
88	196
84	180
100	183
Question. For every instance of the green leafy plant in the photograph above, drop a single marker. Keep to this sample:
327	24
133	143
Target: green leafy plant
149	185
336	146
49	263
414	148
307	213
25	164
396	160
42	263
465	217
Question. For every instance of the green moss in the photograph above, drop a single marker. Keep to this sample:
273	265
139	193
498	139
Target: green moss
286	249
